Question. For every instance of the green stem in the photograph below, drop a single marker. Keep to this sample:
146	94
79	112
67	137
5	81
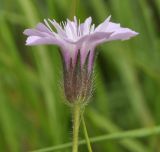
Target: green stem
86	134
76	123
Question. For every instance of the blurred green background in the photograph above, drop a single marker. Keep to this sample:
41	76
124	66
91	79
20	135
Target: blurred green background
127	78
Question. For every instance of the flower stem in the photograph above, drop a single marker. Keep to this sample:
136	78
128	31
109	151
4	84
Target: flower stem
86	134
76	123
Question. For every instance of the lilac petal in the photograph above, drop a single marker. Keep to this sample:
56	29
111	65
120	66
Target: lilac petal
123	34
90	39
118	36
112	27
42	35
80	30
86	43
86	26
102	27
90	42
30	32
36	40
38	30
72	27
119	33
65	57
91	60
41	27
34	32
59	29
76	42
69	51
98	36
69	28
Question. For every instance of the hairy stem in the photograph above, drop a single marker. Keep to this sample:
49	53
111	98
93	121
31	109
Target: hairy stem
76	123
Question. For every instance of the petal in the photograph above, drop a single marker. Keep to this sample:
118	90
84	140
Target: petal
71	29
40	30
102	27
90	39
86	26
119	33
99	36
42	34
41	27
112	27
34	32
80	29
59	29
36	40
122	34
69	51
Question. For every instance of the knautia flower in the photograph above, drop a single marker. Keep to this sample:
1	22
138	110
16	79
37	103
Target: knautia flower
77	44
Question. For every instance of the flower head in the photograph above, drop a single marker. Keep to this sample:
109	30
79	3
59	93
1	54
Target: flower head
77	44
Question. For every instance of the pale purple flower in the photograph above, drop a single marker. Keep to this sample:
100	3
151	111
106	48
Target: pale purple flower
77	44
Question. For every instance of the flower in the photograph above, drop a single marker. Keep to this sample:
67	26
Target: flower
77	44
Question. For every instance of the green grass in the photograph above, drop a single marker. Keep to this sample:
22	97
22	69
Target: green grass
127	80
